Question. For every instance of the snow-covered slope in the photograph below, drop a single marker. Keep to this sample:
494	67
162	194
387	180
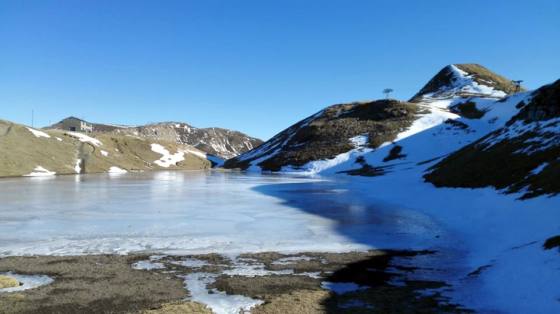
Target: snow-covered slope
522	156
463	90
471	129
466	80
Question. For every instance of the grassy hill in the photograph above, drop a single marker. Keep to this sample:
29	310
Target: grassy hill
25	151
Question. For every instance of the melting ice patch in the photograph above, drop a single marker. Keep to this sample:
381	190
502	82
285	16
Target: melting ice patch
191	263
341	287
26	281
219	302
147	265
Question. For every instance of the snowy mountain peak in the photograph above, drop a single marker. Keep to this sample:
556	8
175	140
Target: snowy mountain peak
465	80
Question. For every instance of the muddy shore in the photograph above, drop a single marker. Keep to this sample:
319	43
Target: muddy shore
294	283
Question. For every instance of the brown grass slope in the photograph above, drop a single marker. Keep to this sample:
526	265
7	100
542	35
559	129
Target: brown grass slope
21	151
503	165
220	142
326	135
480	74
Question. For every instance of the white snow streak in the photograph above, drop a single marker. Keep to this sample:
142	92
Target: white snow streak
84	138
38	133
40	172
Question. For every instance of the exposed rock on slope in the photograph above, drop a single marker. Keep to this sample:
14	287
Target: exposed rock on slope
216	141
333	131
524	155
27	151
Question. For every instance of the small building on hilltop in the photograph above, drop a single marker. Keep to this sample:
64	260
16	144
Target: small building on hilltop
76	125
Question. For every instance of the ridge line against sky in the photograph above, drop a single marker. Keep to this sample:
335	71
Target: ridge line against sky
252	66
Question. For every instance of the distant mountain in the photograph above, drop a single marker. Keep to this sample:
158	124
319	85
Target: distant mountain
342	132
31	152
219	142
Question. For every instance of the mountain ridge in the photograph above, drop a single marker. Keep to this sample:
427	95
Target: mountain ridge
31	152
443	99
220	142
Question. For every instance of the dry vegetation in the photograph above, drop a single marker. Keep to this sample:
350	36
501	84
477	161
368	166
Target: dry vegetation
22	152
327	135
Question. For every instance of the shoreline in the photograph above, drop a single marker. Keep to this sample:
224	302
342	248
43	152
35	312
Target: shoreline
265	282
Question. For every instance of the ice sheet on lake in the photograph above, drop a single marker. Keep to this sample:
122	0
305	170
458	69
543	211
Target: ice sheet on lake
171	212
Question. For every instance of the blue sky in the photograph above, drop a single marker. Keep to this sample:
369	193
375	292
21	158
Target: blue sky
254	66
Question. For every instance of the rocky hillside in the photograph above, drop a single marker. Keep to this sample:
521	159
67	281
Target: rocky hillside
346	133
219	142
522	156
330	132
31	152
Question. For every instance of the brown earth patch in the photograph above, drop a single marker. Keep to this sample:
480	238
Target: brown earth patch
89	284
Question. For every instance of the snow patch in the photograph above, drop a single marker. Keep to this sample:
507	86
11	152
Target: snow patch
77	167
38	133
116	170
85	139
104	153
167	158
40	172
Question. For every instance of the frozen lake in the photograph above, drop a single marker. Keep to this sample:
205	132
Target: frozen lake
195	212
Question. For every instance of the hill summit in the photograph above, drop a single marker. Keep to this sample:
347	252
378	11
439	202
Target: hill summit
466	80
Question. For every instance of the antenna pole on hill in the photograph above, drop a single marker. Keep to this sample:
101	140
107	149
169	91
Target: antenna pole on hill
387	92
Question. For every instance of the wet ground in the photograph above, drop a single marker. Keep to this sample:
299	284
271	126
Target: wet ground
354	282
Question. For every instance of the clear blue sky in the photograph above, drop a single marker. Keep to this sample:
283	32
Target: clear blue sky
255	66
